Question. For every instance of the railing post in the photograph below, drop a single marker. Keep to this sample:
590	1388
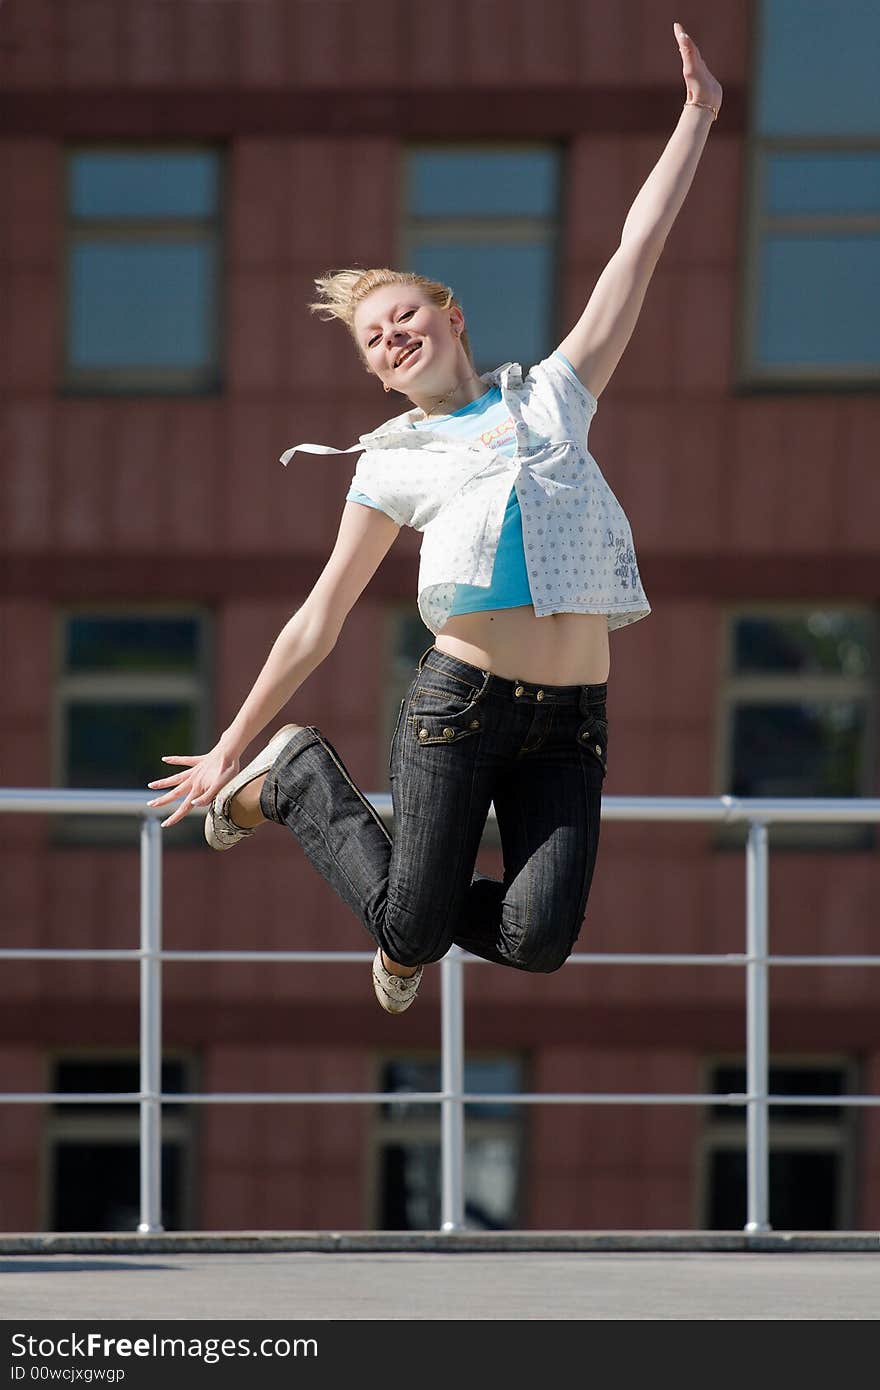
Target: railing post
452	1081
757	1059
151	1026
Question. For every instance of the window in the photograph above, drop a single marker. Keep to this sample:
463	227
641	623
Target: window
143	273
811	1149
408	1147
484	220
812	272
798	718
131	686
93	1149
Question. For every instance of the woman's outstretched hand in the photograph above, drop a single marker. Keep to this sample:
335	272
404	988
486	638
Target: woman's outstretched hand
198	783
698	80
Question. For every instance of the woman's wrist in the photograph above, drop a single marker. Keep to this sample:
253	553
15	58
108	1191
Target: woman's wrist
705	106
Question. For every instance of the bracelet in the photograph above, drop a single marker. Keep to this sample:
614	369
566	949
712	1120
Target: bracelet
706	107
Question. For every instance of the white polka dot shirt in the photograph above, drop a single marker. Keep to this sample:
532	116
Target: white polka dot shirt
579	548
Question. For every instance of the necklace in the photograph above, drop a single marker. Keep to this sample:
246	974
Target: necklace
473	377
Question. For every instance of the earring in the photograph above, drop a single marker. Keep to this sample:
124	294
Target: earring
386	389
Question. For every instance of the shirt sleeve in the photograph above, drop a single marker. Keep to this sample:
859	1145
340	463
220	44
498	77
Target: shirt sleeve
355	495
559	362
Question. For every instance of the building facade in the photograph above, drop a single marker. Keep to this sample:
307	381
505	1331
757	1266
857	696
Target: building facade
176	173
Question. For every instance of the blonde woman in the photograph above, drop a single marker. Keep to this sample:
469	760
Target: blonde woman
526	563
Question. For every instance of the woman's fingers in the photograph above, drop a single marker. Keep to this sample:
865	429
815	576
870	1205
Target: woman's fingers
179	758
171	781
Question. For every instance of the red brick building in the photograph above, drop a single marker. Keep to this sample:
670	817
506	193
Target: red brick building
176	172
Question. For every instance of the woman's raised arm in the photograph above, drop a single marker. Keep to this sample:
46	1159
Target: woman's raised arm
597	342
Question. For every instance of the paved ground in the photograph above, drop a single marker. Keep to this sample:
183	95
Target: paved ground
571	1286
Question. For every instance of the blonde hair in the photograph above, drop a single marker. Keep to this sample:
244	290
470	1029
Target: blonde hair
344	290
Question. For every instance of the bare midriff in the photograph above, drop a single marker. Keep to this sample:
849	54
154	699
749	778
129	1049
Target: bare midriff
561	649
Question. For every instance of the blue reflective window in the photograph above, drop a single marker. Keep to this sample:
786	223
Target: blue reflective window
817	68
159	183
503	276
494	183
137	304
836	181
820	300
143	269
814	286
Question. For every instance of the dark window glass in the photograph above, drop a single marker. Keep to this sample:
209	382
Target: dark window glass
78	1076
132	644
97	1186
502	327
493	1076
783	1081
114	184
808	749
817	69
410	1185
802	1196
121	745
131	690
816	642
466	183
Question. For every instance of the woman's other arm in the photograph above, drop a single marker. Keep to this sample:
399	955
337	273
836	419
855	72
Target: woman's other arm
365	536
597	342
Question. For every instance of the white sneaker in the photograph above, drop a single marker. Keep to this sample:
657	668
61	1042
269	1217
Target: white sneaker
221	832
394	992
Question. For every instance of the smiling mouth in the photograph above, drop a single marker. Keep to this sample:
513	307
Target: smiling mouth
410	352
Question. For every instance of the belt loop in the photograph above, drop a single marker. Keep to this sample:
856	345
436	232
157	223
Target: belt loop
424	656
487	677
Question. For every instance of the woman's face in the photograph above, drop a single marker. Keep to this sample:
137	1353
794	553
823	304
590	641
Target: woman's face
399	317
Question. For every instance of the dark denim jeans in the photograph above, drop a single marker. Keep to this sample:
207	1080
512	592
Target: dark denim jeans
464	738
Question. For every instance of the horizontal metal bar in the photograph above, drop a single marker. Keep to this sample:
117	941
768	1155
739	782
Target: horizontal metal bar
349	957
726	809
421	1098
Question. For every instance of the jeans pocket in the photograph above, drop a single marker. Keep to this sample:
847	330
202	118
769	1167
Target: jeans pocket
445	727
592	738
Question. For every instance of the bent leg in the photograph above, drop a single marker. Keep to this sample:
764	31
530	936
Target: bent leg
548	806
409	889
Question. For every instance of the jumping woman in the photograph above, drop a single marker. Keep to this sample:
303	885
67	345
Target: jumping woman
526	564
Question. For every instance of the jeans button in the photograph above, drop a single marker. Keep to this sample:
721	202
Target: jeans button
423	733
449	733
540	695
518	690
475	723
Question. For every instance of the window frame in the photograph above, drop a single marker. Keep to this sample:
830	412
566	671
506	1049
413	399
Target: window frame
734	689
66	1124
207	380
388	1131
109	687
414	230
751	375
838	1136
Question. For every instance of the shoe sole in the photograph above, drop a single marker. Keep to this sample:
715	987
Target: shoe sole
255	768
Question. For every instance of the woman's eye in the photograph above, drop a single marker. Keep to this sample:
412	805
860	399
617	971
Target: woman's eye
408	314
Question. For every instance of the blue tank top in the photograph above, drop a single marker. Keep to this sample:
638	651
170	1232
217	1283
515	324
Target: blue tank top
489	421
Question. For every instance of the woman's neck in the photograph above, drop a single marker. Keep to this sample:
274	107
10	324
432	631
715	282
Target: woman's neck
461	394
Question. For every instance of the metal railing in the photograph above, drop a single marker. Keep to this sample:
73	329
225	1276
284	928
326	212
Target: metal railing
452	1098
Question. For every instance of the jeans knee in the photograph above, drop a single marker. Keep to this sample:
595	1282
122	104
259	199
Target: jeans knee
542	958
